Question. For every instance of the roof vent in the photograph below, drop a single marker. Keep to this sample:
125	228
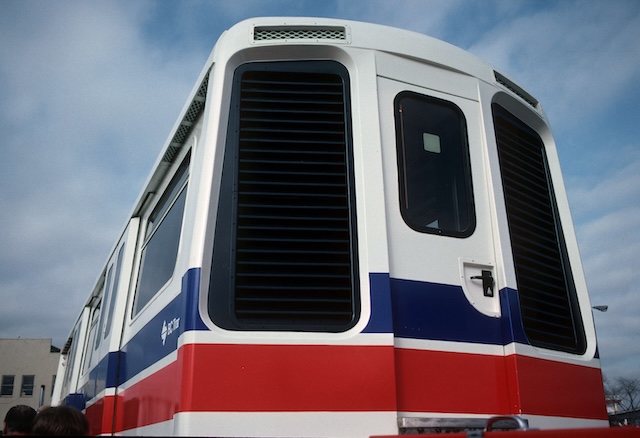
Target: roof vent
511	86
193	112
271	33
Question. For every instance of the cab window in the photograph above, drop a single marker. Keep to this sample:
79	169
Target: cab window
433	166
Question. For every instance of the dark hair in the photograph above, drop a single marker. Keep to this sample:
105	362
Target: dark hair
62	421
19	419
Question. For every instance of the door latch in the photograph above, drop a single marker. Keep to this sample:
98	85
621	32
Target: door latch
487	282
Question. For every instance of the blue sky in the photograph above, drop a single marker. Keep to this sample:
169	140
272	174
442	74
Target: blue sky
90	90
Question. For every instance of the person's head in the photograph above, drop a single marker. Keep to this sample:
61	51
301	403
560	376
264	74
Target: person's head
60	420
18	420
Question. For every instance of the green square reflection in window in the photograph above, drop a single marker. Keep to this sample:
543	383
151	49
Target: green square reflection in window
431	142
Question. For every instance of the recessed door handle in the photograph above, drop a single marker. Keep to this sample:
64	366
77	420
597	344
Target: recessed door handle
487	282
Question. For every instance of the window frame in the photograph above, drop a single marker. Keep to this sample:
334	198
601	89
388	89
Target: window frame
111	299
462	175
24	385
92	332
175	189
5	385
105	294
70	355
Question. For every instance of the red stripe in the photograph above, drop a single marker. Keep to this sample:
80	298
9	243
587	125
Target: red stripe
151	400
268	378
288	378
432	381
100	416
330	378
435	381
559	389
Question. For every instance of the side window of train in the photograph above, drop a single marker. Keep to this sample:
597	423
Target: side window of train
434	173
162	238
114	293
110	292
70	349
107	290
93	325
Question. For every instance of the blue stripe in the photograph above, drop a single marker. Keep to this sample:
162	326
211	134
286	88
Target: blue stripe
512	327
148	346
381	320
433	311
77	401
409	309
102	376
441	312
191	294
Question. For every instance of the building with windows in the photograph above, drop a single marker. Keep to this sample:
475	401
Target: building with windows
28	371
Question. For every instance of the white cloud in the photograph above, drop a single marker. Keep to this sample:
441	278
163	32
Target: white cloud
87	105
616	187
580	58
416	15
609	234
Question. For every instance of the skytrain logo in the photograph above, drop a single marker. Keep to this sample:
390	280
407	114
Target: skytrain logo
169	328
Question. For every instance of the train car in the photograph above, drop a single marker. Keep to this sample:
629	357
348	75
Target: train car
351	230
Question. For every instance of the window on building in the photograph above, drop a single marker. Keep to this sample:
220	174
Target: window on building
26	390
433	166
7	386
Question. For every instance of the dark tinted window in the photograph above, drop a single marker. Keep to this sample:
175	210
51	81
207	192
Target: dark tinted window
163	238
433	166
107	290
7	385
27	385
89	351
70	351
114	292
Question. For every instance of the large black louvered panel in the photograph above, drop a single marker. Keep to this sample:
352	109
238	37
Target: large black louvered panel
293	256
545	284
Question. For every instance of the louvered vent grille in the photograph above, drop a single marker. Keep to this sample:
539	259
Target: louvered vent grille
518	91
295	260
543	274
190	117
268	33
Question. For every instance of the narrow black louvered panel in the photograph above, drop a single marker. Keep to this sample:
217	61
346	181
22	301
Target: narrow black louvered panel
294	235
545	283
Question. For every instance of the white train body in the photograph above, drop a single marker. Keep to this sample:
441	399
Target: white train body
352	230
